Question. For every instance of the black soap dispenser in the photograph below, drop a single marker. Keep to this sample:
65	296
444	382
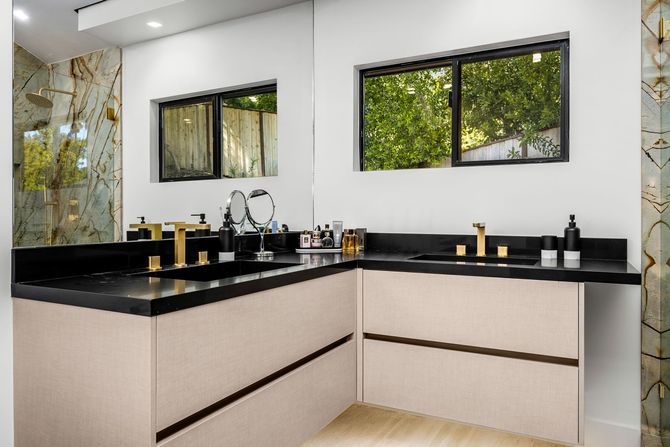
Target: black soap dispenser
572	241
226	240
143	233
201	232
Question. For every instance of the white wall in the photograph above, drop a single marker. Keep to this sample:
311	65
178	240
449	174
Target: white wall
274	45
600	184
6	70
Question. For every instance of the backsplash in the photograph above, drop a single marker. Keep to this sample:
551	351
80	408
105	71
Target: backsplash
67	158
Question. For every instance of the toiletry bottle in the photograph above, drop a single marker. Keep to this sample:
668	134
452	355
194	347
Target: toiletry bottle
316	239
143	233
572	240
327	241
200	233
226	240
305	239
348	242
337	233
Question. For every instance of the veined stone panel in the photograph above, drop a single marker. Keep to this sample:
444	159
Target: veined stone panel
655	153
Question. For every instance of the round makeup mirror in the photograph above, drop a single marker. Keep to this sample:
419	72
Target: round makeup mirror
260	211
236	206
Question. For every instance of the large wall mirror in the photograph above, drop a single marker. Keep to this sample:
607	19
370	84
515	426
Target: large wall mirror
78	142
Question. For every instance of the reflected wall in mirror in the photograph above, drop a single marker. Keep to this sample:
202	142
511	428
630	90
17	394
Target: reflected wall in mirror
249	134
67	148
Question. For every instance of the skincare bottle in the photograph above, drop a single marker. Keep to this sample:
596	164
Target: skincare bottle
226	240
327	241
316	239
305	239
337	233
572	240
349	242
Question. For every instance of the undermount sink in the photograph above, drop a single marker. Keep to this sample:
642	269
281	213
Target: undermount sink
474	259
219	270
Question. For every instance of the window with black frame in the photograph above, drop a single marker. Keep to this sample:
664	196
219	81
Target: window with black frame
496	107
189	144
231	134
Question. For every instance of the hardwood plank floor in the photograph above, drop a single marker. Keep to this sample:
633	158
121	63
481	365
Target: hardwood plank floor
366	426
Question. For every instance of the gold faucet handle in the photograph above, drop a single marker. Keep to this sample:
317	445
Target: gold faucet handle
479	224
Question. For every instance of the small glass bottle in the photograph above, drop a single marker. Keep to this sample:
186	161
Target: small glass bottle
305	240
349	242
327	241
316	239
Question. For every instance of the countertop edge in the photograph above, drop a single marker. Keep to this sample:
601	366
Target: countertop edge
181	301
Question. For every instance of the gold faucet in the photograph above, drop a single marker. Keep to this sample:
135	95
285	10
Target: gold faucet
180	239
481	238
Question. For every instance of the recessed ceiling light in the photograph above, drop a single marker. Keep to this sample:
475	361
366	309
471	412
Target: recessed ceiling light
21	15
154	24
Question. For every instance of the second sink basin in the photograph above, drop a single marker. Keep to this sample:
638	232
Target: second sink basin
474	259
219	270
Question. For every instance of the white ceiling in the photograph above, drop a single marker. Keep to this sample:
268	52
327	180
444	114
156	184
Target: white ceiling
52	32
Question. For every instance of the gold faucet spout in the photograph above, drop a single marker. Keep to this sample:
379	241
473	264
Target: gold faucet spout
481	238
180	240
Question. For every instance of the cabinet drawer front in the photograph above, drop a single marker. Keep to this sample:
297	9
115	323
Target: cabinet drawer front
208	352
532	398
538	317
284	413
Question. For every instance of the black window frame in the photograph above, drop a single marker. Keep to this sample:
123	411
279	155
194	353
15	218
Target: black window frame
216	135
455	62
217	123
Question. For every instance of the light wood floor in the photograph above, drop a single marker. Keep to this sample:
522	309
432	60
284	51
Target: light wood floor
364	426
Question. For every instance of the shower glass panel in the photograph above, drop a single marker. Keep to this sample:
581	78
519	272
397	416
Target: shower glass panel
67	149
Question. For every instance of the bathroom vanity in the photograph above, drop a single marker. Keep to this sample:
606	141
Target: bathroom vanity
130	357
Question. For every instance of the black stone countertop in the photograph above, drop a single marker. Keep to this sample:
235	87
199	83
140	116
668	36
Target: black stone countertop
129	292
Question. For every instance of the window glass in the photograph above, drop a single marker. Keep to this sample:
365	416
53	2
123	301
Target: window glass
511	108
407	119
498	106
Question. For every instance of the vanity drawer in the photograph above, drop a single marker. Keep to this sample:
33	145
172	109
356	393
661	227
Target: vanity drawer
208	352
537	317
522	396
283	413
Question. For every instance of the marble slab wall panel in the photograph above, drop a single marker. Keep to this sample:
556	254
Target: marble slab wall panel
67	158
655	145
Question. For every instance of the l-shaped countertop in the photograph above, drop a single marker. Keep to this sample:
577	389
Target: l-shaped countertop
131	291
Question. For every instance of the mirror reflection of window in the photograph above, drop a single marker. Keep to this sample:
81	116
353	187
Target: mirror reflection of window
187	139
249	133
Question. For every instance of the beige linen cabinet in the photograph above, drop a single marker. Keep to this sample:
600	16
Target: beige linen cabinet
86	377
497	352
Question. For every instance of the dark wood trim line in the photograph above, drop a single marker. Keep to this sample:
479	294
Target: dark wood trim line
182	424
475	349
